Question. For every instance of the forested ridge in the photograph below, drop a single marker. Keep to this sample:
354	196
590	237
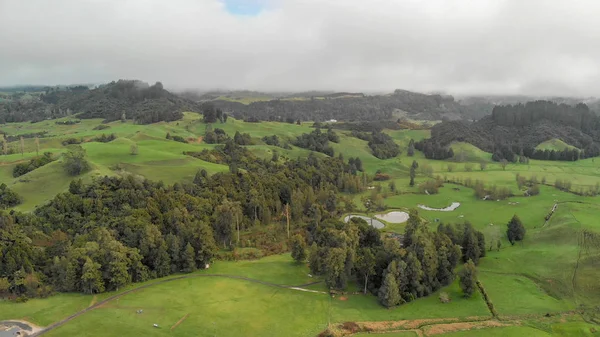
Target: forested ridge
513	131
123	99
364	108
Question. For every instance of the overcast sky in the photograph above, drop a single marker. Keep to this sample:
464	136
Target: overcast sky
534	47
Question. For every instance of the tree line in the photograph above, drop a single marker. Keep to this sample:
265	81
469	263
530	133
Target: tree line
513	131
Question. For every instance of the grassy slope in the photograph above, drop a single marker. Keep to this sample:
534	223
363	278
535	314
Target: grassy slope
554	144
537	276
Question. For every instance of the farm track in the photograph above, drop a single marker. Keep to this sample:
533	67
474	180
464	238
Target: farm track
114	297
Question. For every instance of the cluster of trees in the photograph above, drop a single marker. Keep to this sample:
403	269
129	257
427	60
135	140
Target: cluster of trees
318	141
382	145
433	150
175	138
212	115
513	131
398	271
275	141
515	152
119	230
215	136
355	165
74	162
23	168
8	197
242	138
103	138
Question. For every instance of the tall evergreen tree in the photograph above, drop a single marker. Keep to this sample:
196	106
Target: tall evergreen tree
516	230
468	278
388	294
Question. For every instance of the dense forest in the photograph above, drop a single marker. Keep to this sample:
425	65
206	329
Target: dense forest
123	99
398	271
115	231
512	132
347	108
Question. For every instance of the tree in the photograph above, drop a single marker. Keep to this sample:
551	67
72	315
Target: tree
91	277
335	268
451	167
392	186
468	278
388	294
516	230
365	264
22	146
411	148
413	172
209	112
188	257
228	215
298	248
37	146
75	162
133	149
4	285
504	163
482	165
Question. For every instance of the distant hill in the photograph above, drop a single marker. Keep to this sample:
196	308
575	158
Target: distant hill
480	106
513	129
349	106
133	99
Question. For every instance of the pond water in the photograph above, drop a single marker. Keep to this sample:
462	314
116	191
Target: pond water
373	222
447	209
10	332
393	217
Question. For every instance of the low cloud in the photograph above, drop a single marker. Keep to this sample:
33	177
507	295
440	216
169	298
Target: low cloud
463	47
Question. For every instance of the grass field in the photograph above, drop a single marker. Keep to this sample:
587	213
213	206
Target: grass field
552	271
554	144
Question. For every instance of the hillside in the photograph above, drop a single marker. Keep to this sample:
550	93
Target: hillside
122	99
348	106
522	127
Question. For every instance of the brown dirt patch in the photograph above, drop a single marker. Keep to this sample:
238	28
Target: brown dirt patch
343	298
193	140
180	321
438	329
93	301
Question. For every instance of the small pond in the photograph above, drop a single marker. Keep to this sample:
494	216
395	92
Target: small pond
393	217
373	222
447	209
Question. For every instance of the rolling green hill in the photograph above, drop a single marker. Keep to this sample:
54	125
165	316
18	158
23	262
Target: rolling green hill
545	285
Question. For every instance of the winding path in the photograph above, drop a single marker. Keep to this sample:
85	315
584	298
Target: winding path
114	297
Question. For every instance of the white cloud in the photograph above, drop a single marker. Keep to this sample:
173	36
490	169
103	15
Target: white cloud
458	46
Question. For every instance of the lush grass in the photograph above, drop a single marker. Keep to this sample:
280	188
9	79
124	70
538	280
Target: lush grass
45	311
222	307
536	276
554	144
500	332
391	334
366	308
